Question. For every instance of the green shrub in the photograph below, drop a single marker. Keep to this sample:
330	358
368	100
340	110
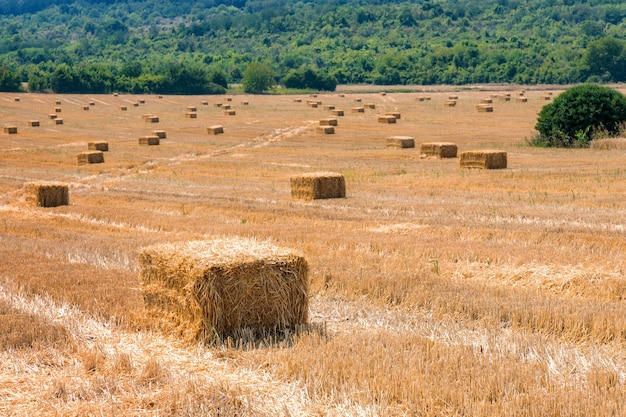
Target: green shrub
574	115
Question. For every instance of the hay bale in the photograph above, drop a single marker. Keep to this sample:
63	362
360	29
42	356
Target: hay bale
86	107
521	99
297	100
486	101
98	146
226	107
337	112
546	97
215	130
230	113
52	116
357	110
386	119
192	109
205	103
58	121
160	134
229	99
57	102
49	194
141	101
218	104
421	98
152	119
394	114
326	130
453	97
504	97
135	104
123	108
382	93
438	150
318	185
152	140
92	103
342	95
90	157
10	130
449	103
33	123
329	107
57	110
329	121
17	99
484	108
369	105
245	103
357	100
483	159
191	115
202	289
400	142
312	104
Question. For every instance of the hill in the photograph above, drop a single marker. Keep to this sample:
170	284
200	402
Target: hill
153	46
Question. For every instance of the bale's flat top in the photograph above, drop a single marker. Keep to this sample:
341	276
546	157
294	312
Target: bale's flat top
319	175
221	251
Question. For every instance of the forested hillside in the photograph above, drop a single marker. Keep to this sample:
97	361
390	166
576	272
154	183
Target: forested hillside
201	46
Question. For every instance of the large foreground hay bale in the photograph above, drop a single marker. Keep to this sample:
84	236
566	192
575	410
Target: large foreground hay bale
318	185
205	290
438	150
46	194
98	146
152	140
90	157
483	159
400	142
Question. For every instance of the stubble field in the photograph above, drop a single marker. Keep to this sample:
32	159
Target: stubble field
434	290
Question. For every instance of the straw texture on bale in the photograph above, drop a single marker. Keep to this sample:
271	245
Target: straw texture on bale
329	107
326	130
449	103
57	110
58	121
453	97
483	159
226	106
318	185
46	194
521	99
438	150
10	130
123	108
202	289
328	122
149	140
191	115
151	119
484	108
230	113
52	116
358	110
369	105
337	112
192	109
57	102
400	142
86	107
33	123
90	157
386	119
486	100
160	133
394	114
98	146
215	130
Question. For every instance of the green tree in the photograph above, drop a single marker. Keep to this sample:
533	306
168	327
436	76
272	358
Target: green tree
606	59
9	80
571	118
257	78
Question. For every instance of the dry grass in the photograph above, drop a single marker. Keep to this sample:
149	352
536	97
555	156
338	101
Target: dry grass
435	290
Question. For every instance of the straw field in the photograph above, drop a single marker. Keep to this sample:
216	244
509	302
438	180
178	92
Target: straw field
433	290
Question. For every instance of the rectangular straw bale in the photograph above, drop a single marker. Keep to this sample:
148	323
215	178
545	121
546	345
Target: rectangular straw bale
192	108
123	108
421	98
33	123
329	121
297	100
135	104
395	114
400	142
230	113
504	97
205	103
48	194
229	99
337	112
160	133
218	104
57	109
358	110
226	106
245	103
200	291
98	146
386	119
357	100
486	101
191	115
149	140
483	159
325	130
484	108
58	121
152	119
16	99
312	104
57	102
521	99
90	157
85	107
449	103
141	101
52	116
438	150
215	130
10	130
453	97
92	103
369	105
318	185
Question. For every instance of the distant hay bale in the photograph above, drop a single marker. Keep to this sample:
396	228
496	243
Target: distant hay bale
135	104
394	114
215	130
386	119
160	134
46	194
357	110
453	97
52	116
329	107
486	101
58	121
10	130
357	100
57	102
229	99
245	103
318	185
449	103
115	94
191	115
16	99
152	119
218	104
33	123
152	140
204	291
98	146
123	108
86	107
313	95
484	108
226	106
504	97
92	103
297	100
483	159
337	112
205	103
369	105
312	104
521	99
382	93
57	110
438	150
546	97
400	142
90	157
328	122
192	109
421	98
141	101
230	113
326	130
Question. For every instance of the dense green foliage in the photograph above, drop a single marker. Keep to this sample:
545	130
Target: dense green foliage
257	78
573	116
143	45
